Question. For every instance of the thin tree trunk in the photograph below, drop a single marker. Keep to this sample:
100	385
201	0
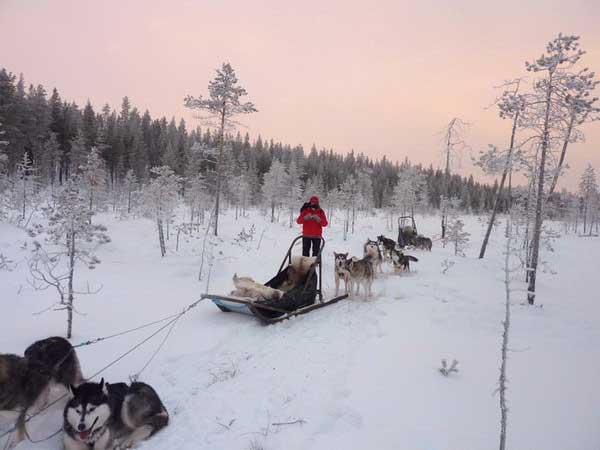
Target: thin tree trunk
539	217
219	168
161	237
562	155
129	200
506	327
507	168
70	284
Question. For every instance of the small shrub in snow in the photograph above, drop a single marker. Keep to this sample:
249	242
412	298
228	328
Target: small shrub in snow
6	264
446	265
256	445
245	236
445	370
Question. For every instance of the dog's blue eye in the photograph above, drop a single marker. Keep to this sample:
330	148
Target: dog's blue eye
78	411
91	409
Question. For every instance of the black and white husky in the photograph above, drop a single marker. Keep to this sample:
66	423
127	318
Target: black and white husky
103	416
401	261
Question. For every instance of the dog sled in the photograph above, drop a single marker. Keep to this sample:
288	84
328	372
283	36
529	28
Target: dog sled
408	234
301	297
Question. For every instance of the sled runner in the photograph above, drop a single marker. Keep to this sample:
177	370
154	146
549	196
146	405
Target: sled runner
299	298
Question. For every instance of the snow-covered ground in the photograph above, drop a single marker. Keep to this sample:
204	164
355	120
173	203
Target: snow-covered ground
356	375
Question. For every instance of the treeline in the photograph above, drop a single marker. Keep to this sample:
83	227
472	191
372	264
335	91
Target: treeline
57	135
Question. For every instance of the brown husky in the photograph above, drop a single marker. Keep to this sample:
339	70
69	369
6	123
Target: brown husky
361	272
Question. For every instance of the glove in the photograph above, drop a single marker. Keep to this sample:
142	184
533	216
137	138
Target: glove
316	218
309	216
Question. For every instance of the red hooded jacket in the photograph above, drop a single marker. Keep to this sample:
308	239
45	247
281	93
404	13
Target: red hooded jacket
310	226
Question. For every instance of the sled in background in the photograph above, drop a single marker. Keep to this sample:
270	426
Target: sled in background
304	297
408	235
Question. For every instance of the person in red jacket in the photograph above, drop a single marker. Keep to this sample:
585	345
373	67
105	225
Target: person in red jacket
313	219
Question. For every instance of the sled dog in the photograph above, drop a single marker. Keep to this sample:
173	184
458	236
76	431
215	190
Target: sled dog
388	245
103	416
423	243
341	272
361	271
26	382
247	287
372	249
401	261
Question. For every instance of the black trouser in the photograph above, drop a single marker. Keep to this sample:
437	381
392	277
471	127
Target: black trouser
306	244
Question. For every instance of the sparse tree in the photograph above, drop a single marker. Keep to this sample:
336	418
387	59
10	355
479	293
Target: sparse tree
161	198
511	105
457	236
73	238
223	104
454	144
562	54
93	179
275	185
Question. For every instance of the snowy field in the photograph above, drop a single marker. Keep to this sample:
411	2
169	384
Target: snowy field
355	375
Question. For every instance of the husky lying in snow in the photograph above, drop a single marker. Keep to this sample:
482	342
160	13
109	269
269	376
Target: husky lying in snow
26	382
371	248
103	416
247	287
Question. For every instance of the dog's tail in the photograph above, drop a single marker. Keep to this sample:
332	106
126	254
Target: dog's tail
412	258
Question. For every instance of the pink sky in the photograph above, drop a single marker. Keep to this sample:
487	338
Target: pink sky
382	78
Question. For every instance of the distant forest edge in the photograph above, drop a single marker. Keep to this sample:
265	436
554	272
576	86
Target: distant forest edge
57	135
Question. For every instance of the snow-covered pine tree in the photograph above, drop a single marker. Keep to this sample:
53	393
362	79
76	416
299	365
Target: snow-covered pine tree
457	236
346	198
293	194
562	54
588	190
72	237
449	208
223	104
26	189
77	154
93	179
578	107
410	191
160	199
130	186
197	198
275	186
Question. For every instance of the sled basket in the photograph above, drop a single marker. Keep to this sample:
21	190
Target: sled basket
302	298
